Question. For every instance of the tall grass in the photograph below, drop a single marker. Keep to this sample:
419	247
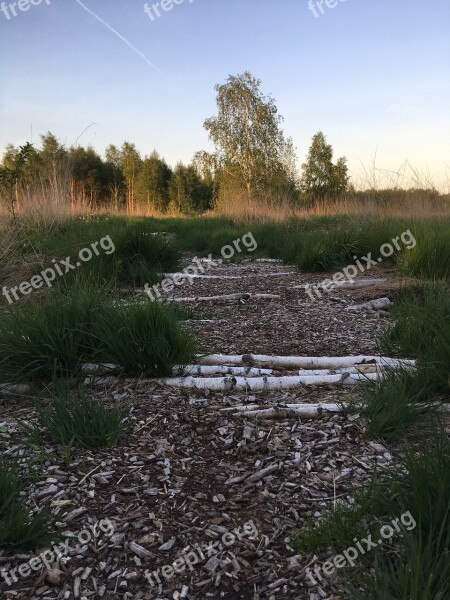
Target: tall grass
138	256
416	566
422	329
71	419
52	336
18	527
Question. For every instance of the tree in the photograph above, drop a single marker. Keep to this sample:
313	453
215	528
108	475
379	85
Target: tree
187	192
88	178
152	186
247	135
131	163
115	176
321	178
11	173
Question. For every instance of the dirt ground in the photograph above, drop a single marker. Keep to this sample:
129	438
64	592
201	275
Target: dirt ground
198	487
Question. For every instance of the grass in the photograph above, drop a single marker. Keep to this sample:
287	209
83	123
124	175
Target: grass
18	527
394	405
422	329
51	336
77	420
417	565
313	243
127	252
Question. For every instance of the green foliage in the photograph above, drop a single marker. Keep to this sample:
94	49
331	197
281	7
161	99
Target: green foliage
250	146
422	329
417	566
18	527
138	258
80	419
152	183
321	178
393	405
52	336
187	192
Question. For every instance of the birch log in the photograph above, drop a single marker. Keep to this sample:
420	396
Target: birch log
220	370
15	389
307	411
300	362
348	283
259	384
377	304
238	296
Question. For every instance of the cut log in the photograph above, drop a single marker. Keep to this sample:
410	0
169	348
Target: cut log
259	384
94	381
249	276
377	304
220	370
98	369
347	283
306	411
300	362
238	296
18	389
362	369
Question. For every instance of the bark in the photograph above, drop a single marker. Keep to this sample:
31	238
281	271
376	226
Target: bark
300	362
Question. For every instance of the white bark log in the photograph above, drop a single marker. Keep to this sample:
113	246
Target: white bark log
238	296
300	362
302	410
377	304
98	369
19	389
220	370
250	276
259	384
362	369
347	283
306	411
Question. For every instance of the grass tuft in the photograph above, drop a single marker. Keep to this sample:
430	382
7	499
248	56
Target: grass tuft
51	336
18	527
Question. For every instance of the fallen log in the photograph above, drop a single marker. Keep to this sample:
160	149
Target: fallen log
329	284
19	389
238	296
306	411
98	369
259	384
377	304
300	362
219	370
362	369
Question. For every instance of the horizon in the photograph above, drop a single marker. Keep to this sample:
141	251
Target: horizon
94	75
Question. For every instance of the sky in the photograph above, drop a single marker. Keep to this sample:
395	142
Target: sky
373	75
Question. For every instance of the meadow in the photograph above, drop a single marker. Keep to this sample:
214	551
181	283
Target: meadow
89	316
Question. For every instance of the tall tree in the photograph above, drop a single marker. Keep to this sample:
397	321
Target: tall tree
187	192
11	173
114	174
246	132
153	183
131	164
321	178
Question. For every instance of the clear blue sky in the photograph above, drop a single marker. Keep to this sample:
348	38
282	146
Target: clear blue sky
372	74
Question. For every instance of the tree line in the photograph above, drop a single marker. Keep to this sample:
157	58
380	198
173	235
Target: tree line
252	160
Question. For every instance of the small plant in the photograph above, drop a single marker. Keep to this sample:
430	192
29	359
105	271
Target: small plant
81	420
392	405
18	527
